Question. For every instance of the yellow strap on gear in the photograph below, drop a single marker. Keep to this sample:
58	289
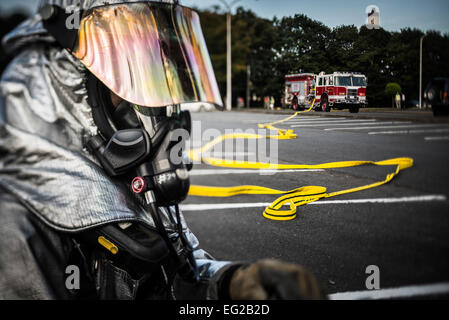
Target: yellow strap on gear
108	244
294	198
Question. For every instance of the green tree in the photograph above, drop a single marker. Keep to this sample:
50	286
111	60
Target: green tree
391	89
252	38
297	43
302	44
214	27
403	60
372	60
341	52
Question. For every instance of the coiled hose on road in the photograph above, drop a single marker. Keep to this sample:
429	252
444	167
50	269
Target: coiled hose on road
293	198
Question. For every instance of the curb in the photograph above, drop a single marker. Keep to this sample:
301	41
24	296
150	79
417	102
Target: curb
414	115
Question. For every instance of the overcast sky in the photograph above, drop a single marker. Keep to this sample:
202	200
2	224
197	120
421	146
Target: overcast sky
394	14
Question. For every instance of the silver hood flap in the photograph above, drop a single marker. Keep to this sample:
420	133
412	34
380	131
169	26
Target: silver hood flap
65	189
44	122
28	32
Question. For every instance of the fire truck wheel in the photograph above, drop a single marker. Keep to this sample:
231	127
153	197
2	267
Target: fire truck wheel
354	109
325	105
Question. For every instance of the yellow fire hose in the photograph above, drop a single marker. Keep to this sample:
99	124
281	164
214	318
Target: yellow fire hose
294	198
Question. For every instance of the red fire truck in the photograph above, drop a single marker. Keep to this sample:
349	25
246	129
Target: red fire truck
340	90
299	90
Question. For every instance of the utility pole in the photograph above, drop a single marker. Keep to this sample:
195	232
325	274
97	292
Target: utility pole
228	7
248	84
420	71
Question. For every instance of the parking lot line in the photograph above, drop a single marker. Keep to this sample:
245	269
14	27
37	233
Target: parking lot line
385	127
270	119
210	172
330	122
317	119
353	122
410	131
394	293
437	138
222	206
220	154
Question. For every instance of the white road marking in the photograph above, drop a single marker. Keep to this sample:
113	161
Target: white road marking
328	120
294	124
220	206
208	172
386	127
348	124
437	138
317	119
438	197
401	292
218	154
299	118
265	120
410	131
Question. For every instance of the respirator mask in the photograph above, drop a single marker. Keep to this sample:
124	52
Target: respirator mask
145	59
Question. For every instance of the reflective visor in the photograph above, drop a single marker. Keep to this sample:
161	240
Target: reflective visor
150	54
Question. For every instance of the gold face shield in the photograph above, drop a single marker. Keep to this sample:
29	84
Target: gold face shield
149	54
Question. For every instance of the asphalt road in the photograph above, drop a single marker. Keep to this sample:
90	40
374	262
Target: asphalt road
404	230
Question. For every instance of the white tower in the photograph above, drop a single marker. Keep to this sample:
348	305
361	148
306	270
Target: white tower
373	19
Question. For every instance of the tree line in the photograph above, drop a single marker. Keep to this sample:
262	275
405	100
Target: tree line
274	48
294	44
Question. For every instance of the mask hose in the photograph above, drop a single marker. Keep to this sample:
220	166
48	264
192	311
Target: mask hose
166	188
185	261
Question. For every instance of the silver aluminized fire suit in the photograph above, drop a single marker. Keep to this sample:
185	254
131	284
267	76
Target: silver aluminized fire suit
52	189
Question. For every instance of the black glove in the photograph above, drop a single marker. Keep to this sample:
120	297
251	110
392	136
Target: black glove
273	280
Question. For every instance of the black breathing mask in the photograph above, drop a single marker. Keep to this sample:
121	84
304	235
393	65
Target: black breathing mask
144	141
146	146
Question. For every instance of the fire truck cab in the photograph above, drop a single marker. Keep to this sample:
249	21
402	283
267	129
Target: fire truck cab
340	90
